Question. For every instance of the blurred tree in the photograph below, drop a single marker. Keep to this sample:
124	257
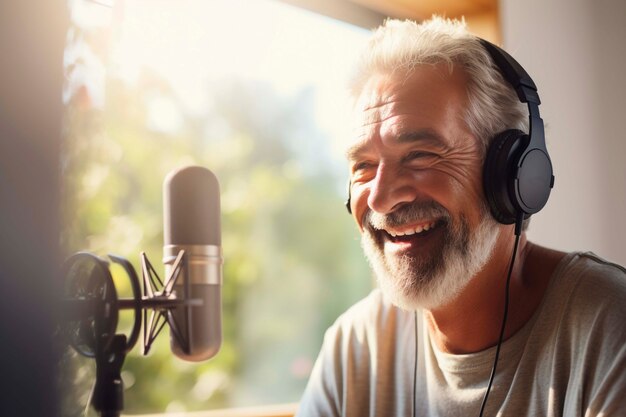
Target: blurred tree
292	264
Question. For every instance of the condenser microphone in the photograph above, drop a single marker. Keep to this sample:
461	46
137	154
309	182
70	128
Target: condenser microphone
191	215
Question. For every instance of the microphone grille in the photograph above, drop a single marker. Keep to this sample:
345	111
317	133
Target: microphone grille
191	207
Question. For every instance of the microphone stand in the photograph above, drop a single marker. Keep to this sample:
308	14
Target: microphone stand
108	394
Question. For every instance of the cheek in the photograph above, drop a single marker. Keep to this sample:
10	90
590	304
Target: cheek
456	187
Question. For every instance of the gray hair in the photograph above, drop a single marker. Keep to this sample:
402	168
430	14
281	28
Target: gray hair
400	46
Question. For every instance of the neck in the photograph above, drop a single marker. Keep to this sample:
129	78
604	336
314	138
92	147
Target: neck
472	321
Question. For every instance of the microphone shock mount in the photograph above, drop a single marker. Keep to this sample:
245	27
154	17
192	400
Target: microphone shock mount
91	310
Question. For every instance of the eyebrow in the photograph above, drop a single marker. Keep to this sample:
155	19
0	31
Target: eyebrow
421	135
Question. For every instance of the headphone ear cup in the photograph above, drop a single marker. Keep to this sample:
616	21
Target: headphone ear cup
498	174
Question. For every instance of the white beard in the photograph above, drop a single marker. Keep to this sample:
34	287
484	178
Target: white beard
410	286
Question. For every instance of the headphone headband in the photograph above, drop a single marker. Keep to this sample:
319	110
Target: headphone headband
513	72
525	88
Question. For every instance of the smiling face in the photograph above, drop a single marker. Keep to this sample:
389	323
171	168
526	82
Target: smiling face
415	172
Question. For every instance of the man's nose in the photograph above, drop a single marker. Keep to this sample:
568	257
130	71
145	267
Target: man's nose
390	189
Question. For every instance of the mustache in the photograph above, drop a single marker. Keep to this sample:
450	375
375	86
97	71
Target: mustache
409	213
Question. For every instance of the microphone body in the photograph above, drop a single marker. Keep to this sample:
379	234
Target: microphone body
191	213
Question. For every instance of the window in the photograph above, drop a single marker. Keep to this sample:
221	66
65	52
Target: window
254	91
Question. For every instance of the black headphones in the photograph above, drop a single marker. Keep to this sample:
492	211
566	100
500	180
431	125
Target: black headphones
517	176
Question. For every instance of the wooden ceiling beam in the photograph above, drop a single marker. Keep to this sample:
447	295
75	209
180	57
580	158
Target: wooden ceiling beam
481	16
423	9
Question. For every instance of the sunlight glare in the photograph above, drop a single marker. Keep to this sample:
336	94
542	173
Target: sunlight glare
195	43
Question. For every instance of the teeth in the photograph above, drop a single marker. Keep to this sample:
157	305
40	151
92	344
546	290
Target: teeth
417	230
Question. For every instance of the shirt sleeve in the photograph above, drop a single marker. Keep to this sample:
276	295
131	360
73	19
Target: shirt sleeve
343	381
608	399
322	394
606	374
600	345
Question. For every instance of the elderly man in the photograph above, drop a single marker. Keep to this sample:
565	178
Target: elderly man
440	195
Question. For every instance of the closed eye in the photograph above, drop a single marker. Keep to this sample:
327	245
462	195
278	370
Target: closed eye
418	155
361	166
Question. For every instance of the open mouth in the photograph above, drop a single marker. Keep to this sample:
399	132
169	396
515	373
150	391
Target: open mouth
412	234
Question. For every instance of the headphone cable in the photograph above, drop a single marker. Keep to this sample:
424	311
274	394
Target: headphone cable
518	232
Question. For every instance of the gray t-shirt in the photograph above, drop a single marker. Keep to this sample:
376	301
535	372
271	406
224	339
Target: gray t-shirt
568	360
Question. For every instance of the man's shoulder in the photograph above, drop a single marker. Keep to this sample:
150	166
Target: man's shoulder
592	278
593	263
590	330
371	317
367	308
589	294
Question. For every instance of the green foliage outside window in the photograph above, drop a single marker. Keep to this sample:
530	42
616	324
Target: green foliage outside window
292	256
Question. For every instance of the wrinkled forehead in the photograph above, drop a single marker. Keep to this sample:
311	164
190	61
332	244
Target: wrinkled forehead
381	98
429	95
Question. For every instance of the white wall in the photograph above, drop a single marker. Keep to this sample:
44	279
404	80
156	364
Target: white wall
575	50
